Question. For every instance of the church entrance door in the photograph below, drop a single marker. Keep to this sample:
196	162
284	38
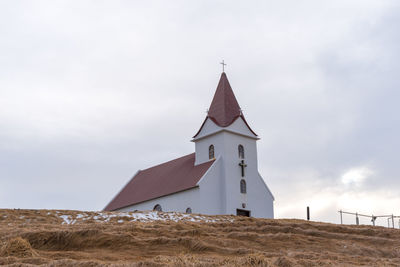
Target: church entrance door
243	212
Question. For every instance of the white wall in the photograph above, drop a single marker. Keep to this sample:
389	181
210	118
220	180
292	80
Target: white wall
258	198
208	128
240	127
202	146
210	134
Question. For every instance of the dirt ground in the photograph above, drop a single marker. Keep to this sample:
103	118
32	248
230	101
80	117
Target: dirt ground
77	238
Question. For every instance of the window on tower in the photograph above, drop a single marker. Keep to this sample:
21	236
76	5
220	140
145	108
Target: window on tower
211	152
243	188
241	151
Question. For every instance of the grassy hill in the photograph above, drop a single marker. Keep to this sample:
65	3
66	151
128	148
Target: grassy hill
77	238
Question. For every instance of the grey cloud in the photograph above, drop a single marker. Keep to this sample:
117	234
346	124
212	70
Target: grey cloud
90	92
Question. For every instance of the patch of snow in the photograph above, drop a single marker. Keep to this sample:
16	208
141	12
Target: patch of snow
145	216
66	219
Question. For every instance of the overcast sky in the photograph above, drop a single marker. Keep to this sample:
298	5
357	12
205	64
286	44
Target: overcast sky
92	91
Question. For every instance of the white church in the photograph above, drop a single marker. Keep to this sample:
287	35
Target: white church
220	177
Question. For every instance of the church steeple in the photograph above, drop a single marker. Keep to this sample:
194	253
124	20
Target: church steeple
224	108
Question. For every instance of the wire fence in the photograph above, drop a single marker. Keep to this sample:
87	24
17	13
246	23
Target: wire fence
391	219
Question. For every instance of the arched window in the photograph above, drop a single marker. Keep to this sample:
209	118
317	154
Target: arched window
157	207
241	151
189	210
243	188
211	152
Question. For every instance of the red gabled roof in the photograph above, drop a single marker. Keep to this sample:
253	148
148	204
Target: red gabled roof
164	179
224	108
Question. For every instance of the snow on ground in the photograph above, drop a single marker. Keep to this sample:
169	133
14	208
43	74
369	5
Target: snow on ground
67	219
144	216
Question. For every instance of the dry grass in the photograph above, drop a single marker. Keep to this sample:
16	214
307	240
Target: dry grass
17	247
38	237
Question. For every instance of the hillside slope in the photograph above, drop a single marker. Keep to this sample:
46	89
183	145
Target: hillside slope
75	238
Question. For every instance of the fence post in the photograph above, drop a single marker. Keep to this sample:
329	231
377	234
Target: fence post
341	217
373	219
308	213
392	220
357	220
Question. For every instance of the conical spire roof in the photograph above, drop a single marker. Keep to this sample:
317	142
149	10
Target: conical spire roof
224	108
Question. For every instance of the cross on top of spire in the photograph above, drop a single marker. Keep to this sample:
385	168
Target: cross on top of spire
223	65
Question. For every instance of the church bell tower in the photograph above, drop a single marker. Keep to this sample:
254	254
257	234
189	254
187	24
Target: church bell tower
225	136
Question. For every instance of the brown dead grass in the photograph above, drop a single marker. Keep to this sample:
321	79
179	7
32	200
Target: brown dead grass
17	247
38	237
